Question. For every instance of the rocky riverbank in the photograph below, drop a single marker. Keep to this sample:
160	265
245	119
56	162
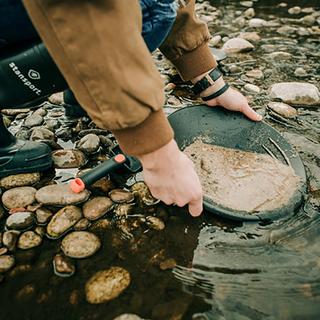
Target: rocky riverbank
83	245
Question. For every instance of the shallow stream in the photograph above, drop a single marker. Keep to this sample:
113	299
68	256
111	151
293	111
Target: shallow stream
225	270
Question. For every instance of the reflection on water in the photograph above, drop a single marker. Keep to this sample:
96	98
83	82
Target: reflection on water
258	272
226	270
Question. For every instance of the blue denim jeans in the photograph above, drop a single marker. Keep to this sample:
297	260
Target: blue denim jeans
158	18
16	27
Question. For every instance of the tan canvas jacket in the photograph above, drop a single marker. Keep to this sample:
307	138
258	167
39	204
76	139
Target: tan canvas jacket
97	45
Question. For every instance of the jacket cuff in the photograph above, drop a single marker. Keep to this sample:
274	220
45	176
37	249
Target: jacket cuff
152	134
193	63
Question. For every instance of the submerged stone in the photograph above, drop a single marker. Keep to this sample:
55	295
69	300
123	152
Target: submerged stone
9	239
121	196
63	220
63	266
61	195
128	316
29	240
19	197
97	207
141	191
80	244
107	285
6	262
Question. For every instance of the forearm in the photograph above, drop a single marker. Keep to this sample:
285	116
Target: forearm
186	46
98	47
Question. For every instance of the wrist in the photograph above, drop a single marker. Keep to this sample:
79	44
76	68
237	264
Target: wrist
220	83
156	159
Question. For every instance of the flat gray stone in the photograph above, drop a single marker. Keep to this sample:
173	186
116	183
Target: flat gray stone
61	195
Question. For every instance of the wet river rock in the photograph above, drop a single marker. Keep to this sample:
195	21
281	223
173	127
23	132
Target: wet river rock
128	316
80	244
89	143
63	266
20	180
43	215
29	240
42	133
20	220
141	191
33	120
97	207
68	158
296	93
6	262
82	224
107	285
19	197
9	239
63	220
283	109
61	195
121	196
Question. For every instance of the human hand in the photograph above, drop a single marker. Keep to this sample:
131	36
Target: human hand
171	177
233	100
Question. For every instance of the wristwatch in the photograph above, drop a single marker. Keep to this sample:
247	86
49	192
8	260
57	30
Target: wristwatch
207	81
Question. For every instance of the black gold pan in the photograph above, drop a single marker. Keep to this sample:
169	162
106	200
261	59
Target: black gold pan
233	130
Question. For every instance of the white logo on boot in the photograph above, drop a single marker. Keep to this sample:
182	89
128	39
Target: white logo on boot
32	74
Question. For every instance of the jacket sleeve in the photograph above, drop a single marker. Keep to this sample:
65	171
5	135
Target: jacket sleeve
186	45
98	47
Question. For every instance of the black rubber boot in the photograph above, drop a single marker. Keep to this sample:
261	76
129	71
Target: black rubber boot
72	107
18	156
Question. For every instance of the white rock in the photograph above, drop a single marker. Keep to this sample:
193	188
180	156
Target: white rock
294	10
296	93
237	45
280	55
300	72
257	23
249	13
251	88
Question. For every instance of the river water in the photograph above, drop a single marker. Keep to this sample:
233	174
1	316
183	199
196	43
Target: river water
225	270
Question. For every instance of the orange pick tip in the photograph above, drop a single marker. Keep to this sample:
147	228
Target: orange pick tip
77	185
120	158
